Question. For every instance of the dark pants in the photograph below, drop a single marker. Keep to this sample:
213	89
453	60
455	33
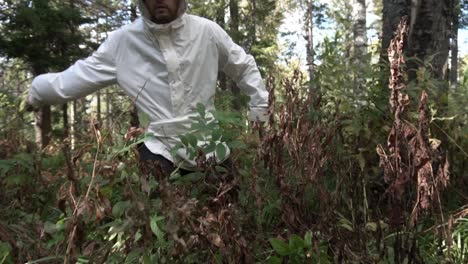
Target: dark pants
151	163
161	168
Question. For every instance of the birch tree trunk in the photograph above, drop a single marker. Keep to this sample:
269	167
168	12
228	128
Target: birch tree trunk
310	44
359	30
360	45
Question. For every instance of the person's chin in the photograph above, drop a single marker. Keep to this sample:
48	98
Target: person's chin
163	19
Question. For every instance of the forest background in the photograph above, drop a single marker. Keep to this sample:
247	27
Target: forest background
363	159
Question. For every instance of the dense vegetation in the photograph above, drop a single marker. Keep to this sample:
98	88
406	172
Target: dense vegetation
363	159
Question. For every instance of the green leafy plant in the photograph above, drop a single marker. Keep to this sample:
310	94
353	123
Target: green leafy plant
298	250
5	253
211	132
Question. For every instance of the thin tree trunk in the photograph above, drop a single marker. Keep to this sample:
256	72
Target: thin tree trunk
454	45
43	123
234	30
43	126
98	107
108	110
66	127
309	27
220	14
73	126
134	121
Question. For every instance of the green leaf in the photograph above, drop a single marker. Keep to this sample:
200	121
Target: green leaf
133	256
119	208
346	224
5	250
296	242
362	161
210	148
221	169
50	228
144	119
216	135
201	109
147	259
371	226
237	144
82	260
155	227
279	246
184	140
176	148
221	151
274	260
192	140
308	239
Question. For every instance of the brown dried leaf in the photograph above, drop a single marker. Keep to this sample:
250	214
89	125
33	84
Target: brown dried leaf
216	240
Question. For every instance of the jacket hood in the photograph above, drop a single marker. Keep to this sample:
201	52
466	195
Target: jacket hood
145	13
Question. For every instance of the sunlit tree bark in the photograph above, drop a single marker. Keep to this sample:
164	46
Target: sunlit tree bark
429	33
359	29
310	43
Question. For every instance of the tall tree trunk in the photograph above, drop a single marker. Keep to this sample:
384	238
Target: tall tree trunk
392	12
73	127
309	27
108	110
234	30
428	41
134	121
220	14
43	126
454	45
360	44
43	123
430	34
66	127
98	107
253	26
359	29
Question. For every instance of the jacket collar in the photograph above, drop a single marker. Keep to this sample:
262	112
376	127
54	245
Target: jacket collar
162	28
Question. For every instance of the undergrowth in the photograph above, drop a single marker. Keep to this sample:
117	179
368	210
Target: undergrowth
311	189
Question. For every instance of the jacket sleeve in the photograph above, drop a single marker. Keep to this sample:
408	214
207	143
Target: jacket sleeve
242	68
80	79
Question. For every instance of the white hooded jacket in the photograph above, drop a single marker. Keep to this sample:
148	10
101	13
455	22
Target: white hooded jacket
167	69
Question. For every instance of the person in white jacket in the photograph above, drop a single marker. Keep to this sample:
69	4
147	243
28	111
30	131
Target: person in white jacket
167	61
